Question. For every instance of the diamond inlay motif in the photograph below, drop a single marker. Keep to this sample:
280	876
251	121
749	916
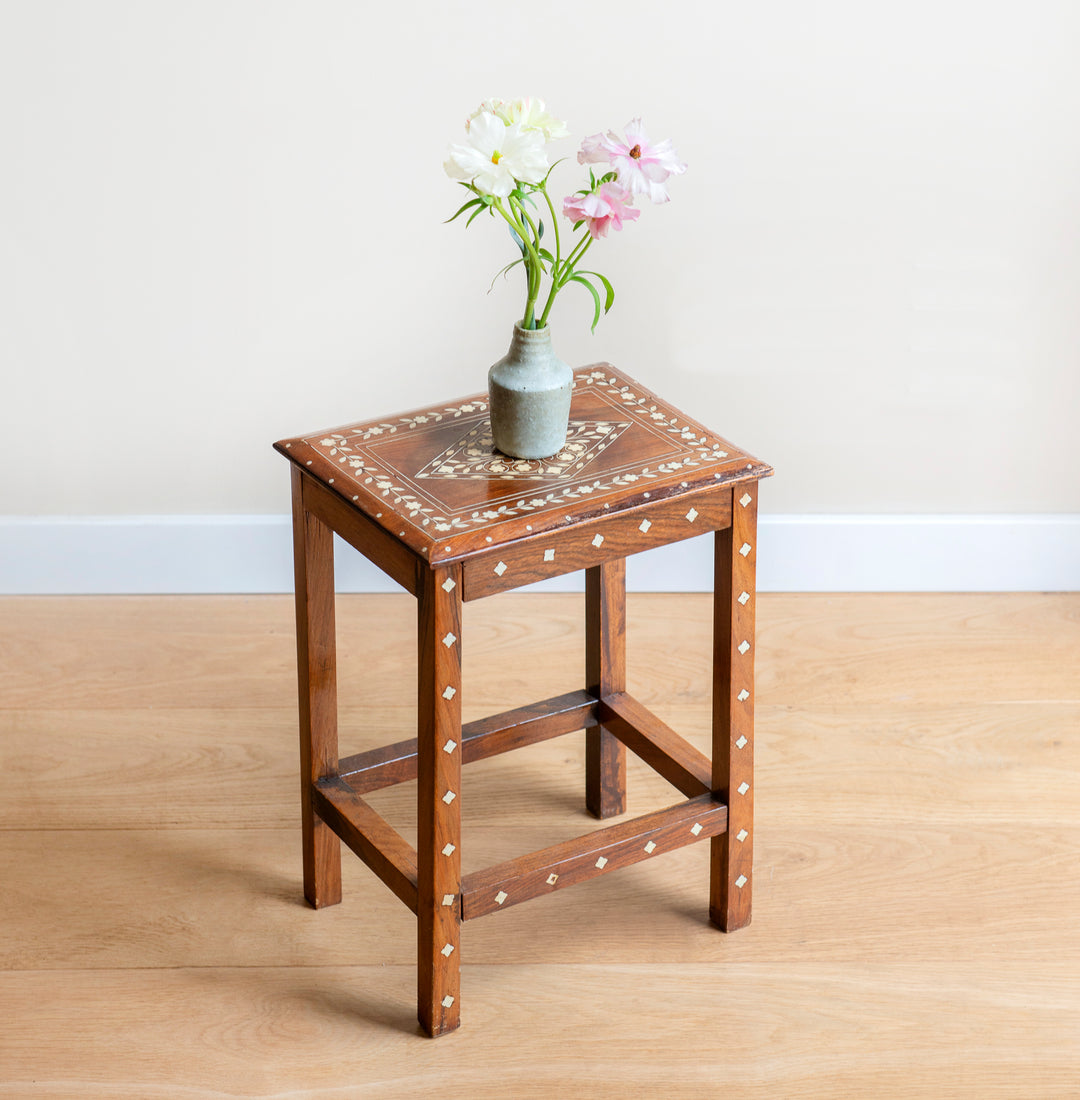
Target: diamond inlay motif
644	526
650	847
745	499
449	746
744	787
601	862
549	555
500	897
449	797
743	695
448	950
447	1001
500	568
744	598
741	743
744	645
598	541
449	640
449	693
745	549
449	585
741	835
696	828
449	850
474	455
448	899
552	879
741	881
692	515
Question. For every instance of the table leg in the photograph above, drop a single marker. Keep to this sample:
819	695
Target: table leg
316	663
605	672
438	801
733	711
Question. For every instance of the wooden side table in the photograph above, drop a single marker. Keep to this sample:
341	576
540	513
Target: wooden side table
426	498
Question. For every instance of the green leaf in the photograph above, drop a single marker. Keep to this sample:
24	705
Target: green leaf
505	271
520	243
465	206
478	211
595	294
609	299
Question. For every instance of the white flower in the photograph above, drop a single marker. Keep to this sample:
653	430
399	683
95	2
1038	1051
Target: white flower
495	156
530	113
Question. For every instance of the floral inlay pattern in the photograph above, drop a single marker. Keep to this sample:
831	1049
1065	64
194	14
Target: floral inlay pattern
475	456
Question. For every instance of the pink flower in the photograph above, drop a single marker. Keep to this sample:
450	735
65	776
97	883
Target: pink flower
643	168
609	205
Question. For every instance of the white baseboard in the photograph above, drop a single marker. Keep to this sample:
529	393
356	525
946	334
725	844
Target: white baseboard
246	554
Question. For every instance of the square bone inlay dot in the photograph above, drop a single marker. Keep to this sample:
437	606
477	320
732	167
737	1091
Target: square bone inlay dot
500	569
744	645
447	1001
741	743
745	549
449	693
650	847
744	787
601	862
644	526
741	835
500	897
552	879
449	850
448	899
598	541
744	598
745	499
449	746
744	695
696	828
740	881
448	950
549	555
449	640
449	797
448	585
692	515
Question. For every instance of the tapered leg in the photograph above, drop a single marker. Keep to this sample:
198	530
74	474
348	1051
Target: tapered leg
605	672
313	560
733	712
438	801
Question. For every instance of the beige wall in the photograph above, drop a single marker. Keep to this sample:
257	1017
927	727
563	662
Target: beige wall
220	223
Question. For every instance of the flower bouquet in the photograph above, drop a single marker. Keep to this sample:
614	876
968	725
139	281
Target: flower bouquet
503	163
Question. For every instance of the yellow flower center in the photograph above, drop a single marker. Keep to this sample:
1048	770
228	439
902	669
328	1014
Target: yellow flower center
636	152
496	157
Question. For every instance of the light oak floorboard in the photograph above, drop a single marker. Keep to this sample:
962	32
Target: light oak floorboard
917	838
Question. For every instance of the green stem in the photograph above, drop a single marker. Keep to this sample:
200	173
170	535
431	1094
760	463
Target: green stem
554	222
533	269
563	273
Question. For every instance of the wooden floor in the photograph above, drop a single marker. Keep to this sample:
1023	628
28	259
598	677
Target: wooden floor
917	907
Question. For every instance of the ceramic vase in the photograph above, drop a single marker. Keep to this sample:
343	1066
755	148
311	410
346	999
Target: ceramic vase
530	396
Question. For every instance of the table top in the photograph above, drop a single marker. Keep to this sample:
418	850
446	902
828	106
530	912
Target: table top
432	478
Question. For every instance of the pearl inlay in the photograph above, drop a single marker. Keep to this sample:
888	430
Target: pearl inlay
745	549
650	847
449	640
598	541
745	499
744	645
552	879
644	526
601	862
449	585
500	897
448	950
448	899
692	515
741	743
500	569
696	828
741	835
447	1001
743	695
449	746
449	693
449	797
744	599
549	555
744	787
740	881
449	850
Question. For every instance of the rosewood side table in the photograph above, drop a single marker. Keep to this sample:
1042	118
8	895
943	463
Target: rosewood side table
427	499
